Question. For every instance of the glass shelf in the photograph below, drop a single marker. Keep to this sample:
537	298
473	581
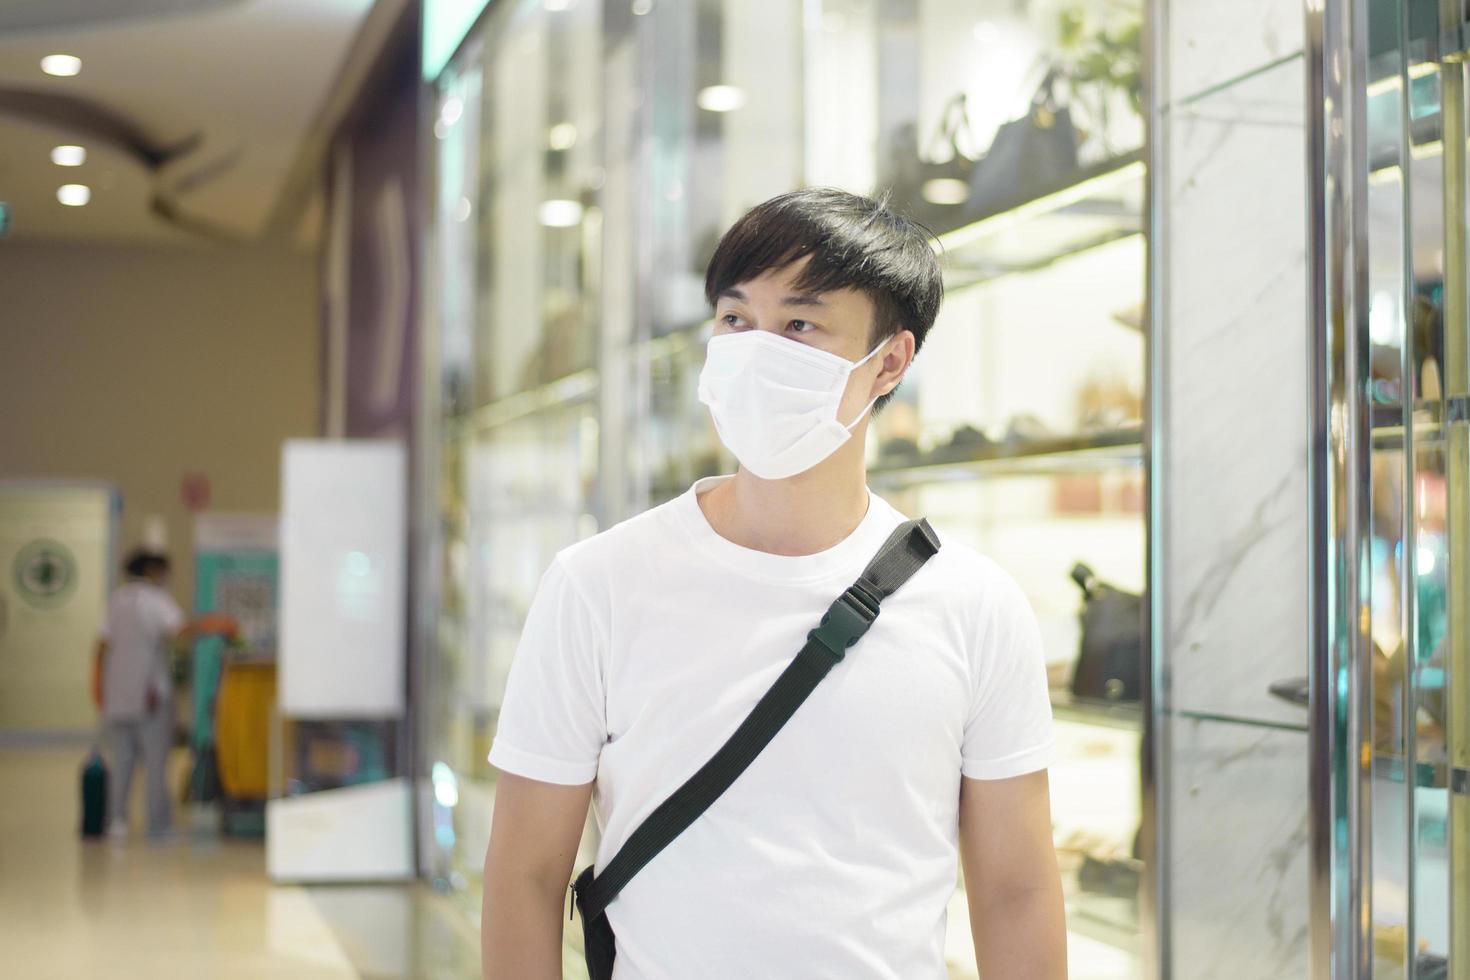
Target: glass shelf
1427	775
554	395
1064	454
1104	205
1127	716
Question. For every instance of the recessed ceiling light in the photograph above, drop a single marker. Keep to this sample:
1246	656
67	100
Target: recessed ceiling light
561	213
641	7
562	136
946	190
61	65
721	98
69	156
74	195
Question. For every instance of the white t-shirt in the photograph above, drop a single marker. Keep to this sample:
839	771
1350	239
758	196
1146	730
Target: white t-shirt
141	619
835	854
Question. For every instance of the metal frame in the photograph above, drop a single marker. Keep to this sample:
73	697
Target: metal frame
1409	535
1456	378
1339	479
1155	897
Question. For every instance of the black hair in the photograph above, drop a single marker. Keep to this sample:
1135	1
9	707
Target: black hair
142	563
853	242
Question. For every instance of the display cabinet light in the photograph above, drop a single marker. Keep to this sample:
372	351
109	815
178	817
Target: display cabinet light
946	190
562	136
451	111
561	213
61	65
721	98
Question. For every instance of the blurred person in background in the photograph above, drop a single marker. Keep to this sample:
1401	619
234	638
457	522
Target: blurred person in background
133	686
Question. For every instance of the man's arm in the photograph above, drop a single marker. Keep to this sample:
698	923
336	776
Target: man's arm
528	866
99	664
1017	916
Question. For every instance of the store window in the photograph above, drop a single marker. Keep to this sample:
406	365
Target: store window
598	150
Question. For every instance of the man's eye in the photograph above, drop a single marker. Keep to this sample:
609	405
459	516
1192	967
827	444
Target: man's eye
800	326
729	319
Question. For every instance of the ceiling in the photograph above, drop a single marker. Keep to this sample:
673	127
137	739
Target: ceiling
200	118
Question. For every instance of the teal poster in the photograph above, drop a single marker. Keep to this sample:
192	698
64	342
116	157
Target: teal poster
236	572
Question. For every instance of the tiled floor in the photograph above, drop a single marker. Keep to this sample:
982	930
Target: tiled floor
195	907
200	906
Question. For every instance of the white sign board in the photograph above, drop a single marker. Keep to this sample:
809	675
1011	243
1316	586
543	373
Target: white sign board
343	571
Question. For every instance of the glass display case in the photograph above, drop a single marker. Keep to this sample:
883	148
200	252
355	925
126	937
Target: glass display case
589	154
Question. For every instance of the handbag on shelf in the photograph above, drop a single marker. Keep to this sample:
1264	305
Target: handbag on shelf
931	178
907	549
1029	157
953	121
1110	661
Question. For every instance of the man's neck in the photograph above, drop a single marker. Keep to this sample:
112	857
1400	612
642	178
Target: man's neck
803	515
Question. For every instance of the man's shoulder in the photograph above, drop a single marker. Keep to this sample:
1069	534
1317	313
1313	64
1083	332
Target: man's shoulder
969	578
622	548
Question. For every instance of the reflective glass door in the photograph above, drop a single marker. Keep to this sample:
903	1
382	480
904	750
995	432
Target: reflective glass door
1399	516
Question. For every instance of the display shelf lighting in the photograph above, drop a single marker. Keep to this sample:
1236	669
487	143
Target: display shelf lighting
74	195
946	190
68	156
61	65
721	98
1110	182
452	110
562	136
560	213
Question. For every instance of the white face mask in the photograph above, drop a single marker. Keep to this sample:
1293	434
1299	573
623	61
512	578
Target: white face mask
775	400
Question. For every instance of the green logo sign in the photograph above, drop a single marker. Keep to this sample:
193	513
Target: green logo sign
45	573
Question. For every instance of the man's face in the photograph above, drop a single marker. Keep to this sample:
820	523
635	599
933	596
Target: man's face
839	322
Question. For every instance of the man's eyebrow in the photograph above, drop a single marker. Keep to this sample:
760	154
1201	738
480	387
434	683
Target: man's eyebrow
799	299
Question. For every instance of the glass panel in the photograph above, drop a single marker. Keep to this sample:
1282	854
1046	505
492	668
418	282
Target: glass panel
1425	553
451	320
656	125
1387	213
680	444
1412	797
1019	424
540	173
1455	375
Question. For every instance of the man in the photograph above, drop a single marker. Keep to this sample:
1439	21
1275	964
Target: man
134	685
835	853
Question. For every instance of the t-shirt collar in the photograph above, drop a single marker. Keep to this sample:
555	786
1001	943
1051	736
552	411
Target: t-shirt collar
846	558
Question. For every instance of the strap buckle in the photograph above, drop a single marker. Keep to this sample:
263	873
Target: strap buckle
846	620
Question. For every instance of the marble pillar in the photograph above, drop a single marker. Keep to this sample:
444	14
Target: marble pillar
1232	580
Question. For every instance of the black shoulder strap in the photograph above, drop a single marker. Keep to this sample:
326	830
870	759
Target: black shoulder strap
903	554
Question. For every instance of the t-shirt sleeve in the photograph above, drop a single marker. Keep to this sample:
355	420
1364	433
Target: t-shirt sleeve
169	616
1009	728
553	719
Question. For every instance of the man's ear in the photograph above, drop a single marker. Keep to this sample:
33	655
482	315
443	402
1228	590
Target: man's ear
904	351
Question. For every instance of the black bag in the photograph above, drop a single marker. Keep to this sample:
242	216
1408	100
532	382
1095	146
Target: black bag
904	553
1109	662
1030	156
94	795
